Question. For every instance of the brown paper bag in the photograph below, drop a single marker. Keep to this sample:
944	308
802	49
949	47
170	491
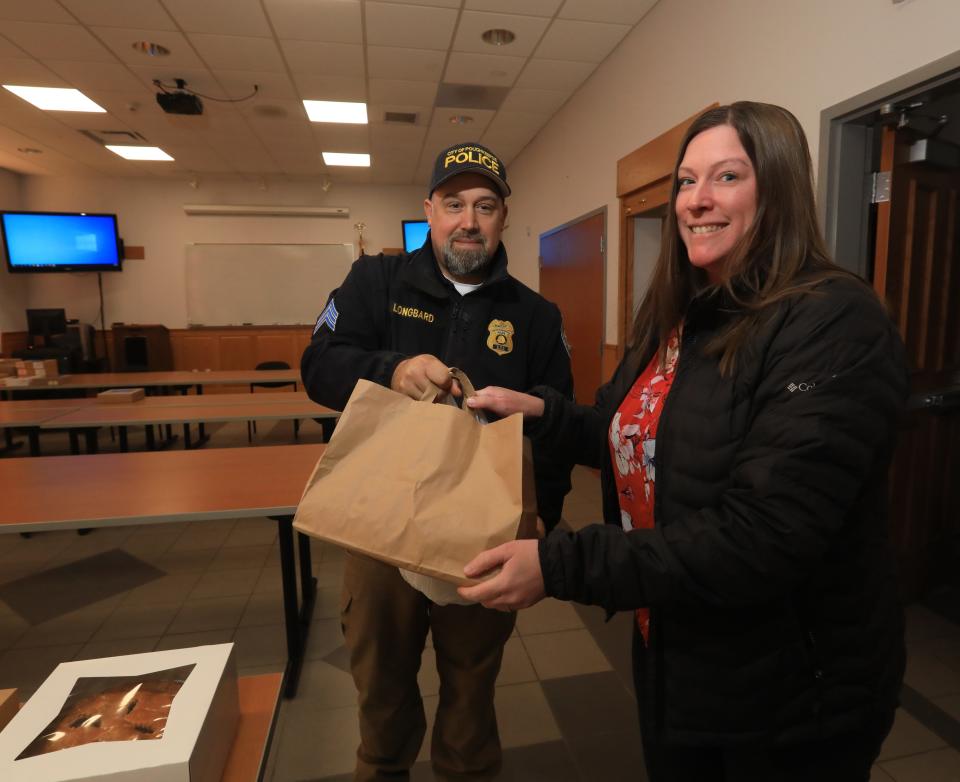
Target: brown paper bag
419	485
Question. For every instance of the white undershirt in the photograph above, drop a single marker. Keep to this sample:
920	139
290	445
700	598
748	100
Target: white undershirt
463	288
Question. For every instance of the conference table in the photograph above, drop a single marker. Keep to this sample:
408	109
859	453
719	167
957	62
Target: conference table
185	410
158	487
87	415
181	378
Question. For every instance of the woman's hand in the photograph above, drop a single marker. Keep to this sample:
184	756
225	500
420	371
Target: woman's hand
504	402
519	584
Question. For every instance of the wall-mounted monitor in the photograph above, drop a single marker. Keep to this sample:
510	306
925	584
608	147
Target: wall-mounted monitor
60	242
414	234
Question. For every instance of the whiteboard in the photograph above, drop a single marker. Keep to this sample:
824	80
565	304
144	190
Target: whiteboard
262	284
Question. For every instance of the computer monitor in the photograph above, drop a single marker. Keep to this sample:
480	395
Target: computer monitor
414	234
46	323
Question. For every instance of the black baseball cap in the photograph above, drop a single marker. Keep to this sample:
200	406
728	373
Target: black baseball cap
466	157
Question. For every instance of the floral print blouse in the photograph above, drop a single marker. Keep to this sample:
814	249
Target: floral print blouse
633	442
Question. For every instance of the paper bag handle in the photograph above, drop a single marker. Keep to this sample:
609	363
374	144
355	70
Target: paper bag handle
433	391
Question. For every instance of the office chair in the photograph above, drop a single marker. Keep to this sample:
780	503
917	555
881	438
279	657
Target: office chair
252	425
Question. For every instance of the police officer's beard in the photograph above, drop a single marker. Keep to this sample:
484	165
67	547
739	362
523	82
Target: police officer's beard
462	262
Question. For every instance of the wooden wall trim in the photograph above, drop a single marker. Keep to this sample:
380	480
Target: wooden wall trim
643	186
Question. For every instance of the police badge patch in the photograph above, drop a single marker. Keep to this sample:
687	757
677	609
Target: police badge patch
500	340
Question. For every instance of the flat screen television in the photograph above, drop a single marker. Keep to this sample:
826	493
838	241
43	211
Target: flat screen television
414	234
60	242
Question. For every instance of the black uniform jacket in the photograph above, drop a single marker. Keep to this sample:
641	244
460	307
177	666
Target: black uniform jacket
774	607
392	307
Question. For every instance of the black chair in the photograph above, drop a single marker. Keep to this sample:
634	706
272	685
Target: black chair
252	425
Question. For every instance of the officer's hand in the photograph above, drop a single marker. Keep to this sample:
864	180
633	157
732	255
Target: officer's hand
504	402
414	376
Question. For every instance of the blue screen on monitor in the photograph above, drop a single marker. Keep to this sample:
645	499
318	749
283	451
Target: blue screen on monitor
45	242
414	234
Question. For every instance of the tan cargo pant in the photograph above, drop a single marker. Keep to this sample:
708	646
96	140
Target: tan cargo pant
385	623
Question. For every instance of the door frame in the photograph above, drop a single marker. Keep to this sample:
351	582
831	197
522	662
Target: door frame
846	144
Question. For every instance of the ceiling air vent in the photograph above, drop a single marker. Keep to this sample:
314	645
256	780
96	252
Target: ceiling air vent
113	136
403	117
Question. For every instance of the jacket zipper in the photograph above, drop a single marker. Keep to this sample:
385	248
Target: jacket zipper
451	335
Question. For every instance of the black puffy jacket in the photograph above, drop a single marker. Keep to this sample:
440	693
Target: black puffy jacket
392	307
775	615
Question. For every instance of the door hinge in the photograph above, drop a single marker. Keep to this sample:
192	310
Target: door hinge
601	245
879	187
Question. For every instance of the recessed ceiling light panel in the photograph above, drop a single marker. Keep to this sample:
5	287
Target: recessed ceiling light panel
499	37
138	153
336	111
346	159
55	98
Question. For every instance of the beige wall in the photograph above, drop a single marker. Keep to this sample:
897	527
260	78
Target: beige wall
12	287
150	214
684	55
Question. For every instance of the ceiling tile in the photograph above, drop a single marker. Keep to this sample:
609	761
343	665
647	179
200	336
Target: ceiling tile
271	86
330	59
8	49
412	26
554	74
407	64
439	138
384	136
95	75
473	24
415	93
606	10
34	11
333	21
529	7
347	88
237	52
433	3
225	17
519	122
332	137
538	101
485	69
28	73
583	41
121	13
62	41
121	40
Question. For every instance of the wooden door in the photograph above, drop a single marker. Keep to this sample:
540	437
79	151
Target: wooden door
571	276
917	272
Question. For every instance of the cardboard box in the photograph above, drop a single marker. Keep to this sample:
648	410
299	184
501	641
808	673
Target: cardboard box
45	368
197	731
8	366
8	706
113	395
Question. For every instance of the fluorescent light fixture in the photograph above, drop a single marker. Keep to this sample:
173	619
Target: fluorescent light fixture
346	159
336	111
138	153
55	98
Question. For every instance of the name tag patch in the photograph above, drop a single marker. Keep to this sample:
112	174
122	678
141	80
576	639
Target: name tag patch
412	312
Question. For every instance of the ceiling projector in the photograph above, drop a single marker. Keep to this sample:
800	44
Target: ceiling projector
179	102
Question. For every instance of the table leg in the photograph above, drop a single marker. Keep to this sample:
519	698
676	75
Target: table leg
151	442
74	442
297	620
34	437
123	439
93	443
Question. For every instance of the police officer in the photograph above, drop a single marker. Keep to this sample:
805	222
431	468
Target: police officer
401	321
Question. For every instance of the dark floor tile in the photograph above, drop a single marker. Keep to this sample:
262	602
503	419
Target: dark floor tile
548	762
50	593
576	702
932	716
614	638
339	658
611	757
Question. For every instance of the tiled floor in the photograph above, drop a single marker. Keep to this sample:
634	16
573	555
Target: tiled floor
564	702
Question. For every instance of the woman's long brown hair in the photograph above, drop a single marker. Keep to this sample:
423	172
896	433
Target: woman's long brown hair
780	255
